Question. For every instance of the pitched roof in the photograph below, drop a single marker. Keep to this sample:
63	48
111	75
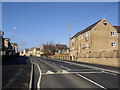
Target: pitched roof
61	46
117	28
86	29
26	49
37	49
48	46
15	44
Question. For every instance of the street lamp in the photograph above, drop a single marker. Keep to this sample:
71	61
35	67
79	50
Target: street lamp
13	28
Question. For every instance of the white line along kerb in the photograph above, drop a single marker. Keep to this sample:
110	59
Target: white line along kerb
38	84
30	84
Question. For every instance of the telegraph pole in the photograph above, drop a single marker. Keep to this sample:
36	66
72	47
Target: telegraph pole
69	34
104	14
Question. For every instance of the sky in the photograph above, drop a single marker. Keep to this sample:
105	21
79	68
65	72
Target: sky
30	24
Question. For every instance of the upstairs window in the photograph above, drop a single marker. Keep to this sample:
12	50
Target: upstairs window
82	37
113	44
86	34
72	43
112	33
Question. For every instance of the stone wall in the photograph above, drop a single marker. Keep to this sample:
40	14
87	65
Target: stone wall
103	61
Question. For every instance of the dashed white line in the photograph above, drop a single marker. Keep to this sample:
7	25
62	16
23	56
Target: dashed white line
65	67
38	83
91	81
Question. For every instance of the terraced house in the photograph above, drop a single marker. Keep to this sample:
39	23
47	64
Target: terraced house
99	40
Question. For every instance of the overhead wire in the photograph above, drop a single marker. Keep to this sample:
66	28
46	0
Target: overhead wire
94	13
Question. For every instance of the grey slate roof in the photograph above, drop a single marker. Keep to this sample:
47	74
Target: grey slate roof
86	29
117	28
61	46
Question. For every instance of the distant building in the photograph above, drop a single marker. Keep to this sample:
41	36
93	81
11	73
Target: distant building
53	49
25	51
7	47
14	47
100	37
36	51
47	50
31	52
62	49
21	53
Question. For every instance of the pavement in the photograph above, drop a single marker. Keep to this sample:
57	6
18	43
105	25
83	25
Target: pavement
16	73
63	74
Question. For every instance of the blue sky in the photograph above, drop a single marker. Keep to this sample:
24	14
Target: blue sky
35	23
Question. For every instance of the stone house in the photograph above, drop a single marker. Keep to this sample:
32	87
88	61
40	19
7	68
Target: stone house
14	47
36	51
62	49
100	39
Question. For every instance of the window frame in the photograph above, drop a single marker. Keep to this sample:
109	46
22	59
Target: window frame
113	33
113	44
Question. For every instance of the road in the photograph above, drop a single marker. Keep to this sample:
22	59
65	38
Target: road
51	73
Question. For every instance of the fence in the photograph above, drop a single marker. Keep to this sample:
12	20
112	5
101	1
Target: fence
60	56
104	54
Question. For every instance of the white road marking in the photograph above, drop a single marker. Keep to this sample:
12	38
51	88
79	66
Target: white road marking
66	72
49	72
30	84
91	81
93	67
65	67
38	84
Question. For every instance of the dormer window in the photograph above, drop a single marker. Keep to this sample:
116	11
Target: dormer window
105	22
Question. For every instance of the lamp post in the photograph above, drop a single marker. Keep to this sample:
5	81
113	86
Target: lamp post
13	28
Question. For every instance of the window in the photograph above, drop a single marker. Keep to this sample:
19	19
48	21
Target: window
82	37
82	46
87	46
113	44
72	43
112	33
86	34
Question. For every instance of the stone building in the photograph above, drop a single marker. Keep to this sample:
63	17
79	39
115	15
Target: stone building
100	39
14	47
25	51
62	49
53	49
36	51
